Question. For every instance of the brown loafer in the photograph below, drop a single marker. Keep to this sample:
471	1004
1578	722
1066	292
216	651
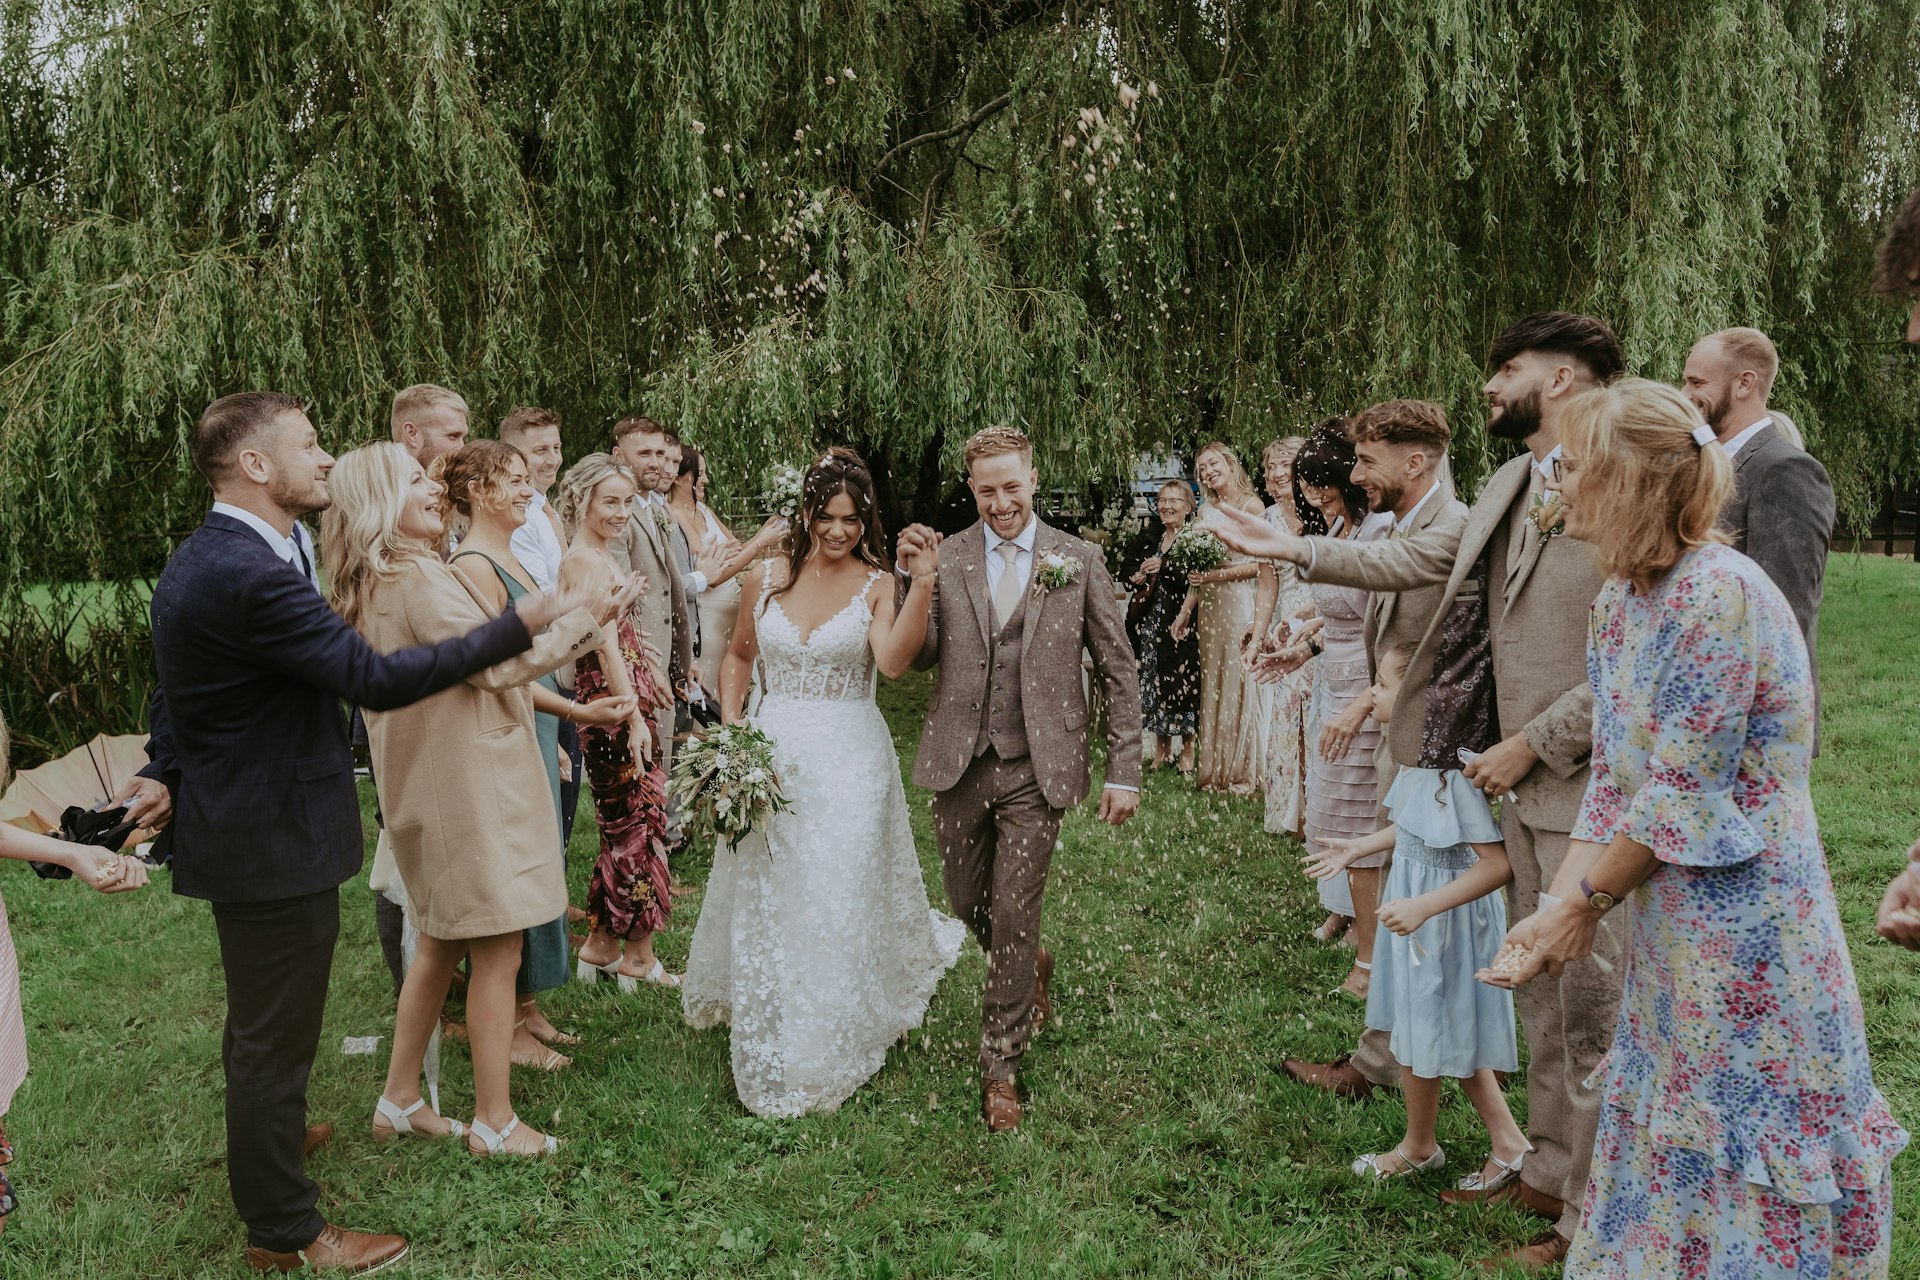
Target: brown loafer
1549	1250
318	1136
352	1253
1516	1193
1000	1105
1042	1001
1340	1077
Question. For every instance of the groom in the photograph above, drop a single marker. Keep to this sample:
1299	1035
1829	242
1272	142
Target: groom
1005	746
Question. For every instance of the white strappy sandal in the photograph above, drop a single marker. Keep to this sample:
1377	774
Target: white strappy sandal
496	1143
1368	1166
590	973
403	1124
1508	1172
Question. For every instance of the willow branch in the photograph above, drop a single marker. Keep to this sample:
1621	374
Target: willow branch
967	126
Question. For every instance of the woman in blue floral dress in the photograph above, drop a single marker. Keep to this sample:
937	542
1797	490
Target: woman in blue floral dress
1741	1134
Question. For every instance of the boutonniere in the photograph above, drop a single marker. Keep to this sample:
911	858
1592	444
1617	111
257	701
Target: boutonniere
1547	516
662	519
1054	570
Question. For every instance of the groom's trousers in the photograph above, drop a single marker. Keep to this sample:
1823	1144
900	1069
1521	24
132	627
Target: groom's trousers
996	834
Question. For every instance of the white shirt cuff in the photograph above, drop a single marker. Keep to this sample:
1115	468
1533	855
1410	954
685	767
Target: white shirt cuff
696	583
1121	786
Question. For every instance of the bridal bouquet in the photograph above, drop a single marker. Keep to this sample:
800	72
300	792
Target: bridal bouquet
1195	550
782	490
726	783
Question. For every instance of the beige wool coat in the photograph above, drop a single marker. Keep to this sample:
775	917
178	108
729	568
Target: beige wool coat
463	788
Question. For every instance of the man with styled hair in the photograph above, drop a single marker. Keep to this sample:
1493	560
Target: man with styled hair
249	754
1004	750
1517	598
1782	510
642	444
428	420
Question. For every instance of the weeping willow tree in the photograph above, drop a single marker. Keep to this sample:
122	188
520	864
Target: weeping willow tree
1119	225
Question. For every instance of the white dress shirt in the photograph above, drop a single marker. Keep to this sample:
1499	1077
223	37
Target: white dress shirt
291	549
1402	522
1734	445
537	546
693	582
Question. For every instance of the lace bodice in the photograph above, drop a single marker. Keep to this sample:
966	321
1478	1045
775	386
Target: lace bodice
834	664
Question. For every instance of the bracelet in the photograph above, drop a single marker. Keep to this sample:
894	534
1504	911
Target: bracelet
923	577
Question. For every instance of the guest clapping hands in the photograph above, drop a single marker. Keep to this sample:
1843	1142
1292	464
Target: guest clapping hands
462	783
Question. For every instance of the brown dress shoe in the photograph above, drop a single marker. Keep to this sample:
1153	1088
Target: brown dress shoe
318	1136
1538	1255
351	1253
1042	1002
1000	1104
1340	1077
1516	1193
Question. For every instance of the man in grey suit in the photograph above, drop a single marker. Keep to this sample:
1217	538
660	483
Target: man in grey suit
1016	604
1781	512
1529	589
641	443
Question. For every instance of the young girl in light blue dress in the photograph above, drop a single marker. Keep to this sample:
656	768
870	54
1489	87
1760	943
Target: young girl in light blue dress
1441	919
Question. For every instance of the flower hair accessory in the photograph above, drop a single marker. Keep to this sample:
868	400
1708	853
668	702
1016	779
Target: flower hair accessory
1703	435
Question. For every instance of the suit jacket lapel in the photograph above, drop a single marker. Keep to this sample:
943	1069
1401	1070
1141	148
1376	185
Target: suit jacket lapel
1751	449
1530	552
1044	541
973	571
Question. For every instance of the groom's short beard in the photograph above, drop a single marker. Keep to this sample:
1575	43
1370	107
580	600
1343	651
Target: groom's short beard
1389	496
1519	417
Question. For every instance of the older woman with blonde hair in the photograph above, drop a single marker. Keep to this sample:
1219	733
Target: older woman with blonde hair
468	812
1230	703
1283	600
1740	1131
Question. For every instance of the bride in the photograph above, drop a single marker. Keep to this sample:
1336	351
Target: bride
815	941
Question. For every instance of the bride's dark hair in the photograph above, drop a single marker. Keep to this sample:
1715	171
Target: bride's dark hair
837	471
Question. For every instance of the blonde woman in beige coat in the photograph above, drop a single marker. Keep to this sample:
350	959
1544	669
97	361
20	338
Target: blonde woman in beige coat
462	787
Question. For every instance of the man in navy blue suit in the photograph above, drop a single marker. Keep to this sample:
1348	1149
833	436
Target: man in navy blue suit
250	760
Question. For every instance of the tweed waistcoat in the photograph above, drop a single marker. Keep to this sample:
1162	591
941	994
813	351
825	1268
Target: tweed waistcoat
1003	717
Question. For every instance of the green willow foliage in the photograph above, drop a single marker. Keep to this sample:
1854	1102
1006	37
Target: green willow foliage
1119	225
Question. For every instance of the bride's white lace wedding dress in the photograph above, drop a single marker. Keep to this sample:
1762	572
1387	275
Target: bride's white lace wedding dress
815	940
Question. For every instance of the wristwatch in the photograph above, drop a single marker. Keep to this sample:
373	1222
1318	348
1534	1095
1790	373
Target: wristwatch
1314	646
1599	899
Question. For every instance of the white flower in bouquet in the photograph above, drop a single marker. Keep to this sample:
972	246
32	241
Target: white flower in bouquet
726	782
781	492
1195	550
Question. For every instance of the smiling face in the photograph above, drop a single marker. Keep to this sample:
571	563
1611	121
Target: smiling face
609	507
1385	472
287	458
542	447
1176	504
1709	380
1278	478
645	453
1386	687
1213	470
836	529
420	517
434	430
1003	488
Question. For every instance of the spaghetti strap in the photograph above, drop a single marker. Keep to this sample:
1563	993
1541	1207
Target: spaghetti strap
515	588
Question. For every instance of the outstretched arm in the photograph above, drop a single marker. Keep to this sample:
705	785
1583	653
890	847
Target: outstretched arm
898	634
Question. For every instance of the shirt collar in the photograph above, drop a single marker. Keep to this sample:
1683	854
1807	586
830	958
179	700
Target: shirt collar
1023	540
281	545
1734	445
537	504
1425	498
1545	465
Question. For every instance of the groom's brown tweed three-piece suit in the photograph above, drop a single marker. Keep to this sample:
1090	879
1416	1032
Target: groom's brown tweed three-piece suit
1005	749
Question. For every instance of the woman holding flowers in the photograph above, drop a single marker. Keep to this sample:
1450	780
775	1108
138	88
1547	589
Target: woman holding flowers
1231	719
815	941
1741	1134
627	897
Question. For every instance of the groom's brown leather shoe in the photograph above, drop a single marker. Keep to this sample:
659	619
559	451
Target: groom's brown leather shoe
1515	1193
1340	1077
1535	1256
318	1136
351	1253
1042	1001
1000	1104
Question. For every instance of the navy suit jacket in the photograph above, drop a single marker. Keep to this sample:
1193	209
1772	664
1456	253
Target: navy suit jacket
247	727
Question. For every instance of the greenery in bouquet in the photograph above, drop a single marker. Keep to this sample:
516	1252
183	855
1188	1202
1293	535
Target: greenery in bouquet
726	782
1194	550
782	490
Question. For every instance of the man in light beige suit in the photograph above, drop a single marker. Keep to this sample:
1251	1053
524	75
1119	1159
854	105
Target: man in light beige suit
1537	624
641	444
1015	605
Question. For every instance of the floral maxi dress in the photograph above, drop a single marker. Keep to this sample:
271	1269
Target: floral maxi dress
627	894
1741	1135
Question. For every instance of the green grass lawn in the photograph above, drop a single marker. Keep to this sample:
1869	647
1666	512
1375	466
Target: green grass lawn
1162	1139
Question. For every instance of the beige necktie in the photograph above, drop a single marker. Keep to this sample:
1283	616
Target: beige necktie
1523	531
1006	596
